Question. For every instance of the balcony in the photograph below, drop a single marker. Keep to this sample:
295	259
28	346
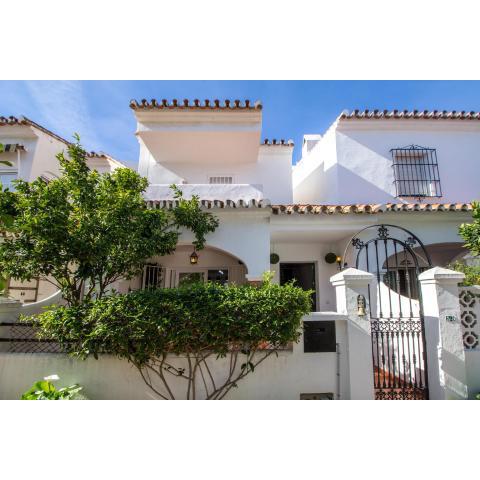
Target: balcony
232	191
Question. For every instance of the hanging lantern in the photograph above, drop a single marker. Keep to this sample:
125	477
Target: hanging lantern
194	258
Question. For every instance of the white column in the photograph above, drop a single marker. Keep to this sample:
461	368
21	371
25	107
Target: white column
443	334
349	284
9	309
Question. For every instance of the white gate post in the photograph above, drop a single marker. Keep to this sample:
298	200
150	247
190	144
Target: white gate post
447	377
349	285
9	309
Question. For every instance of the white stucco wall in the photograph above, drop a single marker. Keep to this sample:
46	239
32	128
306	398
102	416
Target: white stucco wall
308	238
315	173
360	169
283	377
271	174
40	155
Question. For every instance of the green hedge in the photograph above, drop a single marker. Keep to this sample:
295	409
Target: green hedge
143	325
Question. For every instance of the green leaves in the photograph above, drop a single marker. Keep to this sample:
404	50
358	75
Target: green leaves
472	273
45	390
470	232
188	214
86	230
144	325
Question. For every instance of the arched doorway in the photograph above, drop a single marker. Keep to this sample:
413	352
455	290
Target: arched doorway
396	313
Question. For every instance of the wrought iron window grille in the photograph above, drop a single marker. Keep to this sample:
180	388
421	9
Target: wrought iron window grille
415	170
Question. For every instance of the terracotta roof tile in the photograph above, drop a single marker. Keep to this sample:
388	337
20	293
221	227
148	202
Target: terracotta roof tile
369	208
410	114
194	105
275	142
209	204
321	209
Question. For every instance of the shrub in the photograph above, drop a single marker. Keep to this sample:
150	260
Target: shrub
46	390
197	322
472	273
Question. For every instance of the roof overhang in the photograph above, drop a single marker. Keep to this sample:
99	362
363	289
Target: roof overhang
200	135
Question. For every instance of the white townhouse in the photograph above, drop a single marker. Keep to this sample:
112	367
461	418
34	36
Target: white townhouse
415	170
31	150
365	219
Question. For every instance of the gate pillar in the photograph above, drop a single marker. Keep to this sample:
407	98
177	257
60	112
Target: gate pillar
443	334
351	289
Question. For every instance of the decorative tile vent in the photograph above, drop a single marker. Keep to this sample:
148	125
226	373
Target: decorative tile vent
415	170
470	311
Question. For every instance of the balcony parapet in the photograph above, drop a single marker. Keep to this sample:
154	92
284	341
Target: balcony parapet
235	192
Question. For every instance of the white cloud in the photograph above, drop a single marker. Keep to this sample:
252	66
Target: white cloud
63	108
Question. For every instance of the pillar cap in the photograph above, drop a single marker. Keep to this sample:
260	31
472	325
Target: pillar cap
441	274
352	275
9	301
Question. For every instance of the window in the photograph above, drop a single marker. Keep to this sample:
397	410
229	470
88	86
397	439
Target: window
415	170
221	180
218	276
152	276
189	278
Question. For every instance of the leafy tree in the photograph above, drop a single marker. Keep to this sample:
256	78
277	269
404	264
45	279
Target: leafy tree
196	341
85	230
470	232
3	220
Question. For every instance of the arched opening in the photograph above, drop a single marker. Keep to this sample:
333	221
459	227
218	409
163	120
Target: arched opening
176	269
400	271
443	254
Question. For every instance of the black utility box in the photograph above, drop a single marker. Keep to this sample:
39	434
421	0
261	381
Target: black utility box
319	336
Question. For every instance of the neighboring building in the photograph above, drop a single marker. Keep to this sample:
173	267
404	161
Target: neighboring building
31	149
389	157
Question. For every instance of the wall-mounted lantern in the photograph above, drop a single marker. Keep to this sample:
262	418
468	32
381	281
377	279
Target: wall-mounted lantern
194	258
339	262
361	305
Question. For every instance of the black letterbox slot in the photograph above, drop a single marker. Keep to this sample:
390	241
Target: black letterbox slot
319	336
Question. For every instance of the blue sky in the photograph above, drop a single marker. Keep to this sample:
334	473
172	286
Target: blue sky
99	111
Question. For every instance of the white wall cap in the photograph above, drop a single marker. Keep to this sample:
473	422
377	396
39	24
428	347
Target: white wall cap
9	301
311	136
442	274
352	275
324	316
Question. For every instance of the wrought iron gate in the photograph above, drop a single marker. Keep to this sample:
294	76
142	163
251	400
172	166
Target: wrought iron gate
396	313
